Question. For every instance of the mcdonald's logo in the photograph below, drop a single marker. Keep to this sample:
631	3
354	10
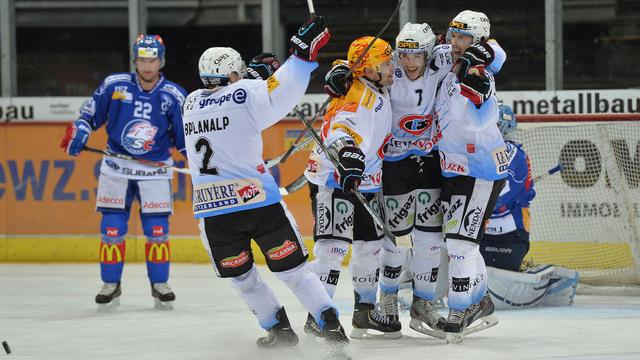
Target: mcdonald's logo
111	253
157	252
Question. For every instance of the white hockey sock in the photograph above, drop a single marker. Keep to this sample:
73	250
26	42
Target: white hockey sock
328	262
258	297
393	259
308	289
426	261
365	269
467	274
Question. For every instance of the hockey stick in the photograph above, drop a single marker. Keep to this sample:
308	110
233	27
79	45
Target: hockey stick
553	170
158	164
291	150
400	241
296	185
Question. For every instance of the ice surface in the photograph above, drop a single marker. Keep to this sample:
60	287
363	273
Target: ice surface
48	312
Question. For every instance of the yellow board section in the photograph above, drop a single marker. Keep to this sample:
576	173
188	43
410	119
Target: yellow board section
86	249
582	255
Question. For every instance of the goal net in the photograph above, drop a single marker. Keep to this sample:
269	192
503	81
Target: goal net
588	216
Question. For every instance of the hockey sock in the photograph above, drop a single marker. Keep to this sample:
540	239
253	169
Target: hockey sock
467	277
426	262
393	259
365	269
158	256
328	262
258	296
308	289
112	251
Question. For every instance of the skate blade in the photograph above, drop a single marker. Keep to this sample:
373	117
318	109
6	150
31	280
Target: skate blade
454	338
365	334
421	327
110	306
162	305
482	324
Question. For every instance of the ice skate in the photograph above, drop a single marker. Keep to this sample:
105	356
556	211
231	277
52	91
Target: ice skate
311	327
389	306
332	331
280	335
163	296
109	297
480	316
368	323
454	326
425	318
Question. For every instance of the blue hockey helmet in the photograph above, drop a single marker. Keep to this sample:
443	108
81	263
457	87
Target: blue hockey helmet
506	120
149	46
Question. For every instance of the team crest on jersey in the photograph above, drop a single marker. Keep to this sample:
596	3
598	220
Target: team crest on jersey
137	137
416	124
382	150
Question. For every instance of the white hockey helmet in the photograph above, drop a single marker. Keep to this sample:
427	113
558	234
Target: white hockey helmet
217	63
472	23
415	38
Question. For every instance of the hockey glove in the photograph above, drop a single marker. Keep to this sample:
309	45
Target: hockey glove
262	66
337	83
309	39
76	137
352	160
475	85
474	55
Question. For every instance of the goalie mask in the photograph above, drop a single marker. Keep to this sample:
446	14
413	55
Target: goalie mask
217	63
379	53
506	120
472	23
415	38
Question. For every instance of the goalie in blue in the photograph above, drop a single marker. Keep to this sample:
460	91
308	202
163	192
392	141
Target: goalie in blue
506	240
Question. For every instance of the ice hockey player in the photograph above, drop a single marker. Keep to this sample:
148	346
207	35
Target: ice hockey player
262	66
236	199
411	177
142	114
506	239
356	129
474	161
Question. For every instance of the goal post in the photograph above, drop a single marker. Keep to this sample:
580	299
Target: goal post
588	217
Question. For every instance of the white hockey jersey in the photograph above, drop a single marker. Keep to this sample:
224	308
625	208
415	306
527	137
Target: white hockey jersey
471	142
414	131
363	115
223	138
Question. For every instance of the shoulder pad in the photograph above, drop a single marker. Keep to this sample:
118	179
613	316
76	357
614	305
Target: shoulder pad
175	91
441	58
115	79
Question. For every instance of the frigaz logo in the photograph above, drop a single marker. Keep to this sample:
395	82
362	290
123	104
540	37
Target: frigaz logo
416	124
424	197
158	252
341	207
392	204
137	136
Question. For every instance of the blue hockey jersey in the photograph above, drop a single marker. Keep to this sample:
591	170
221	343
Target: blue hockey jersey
512	207
142	124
